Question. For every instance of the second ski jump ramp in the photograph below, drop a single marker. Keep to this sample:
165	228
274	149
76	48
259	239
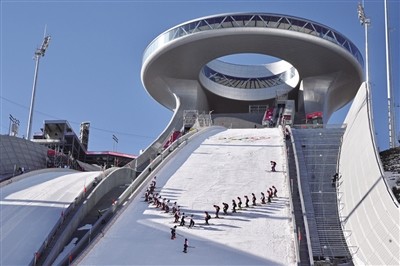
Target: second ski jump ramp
32	207
370	212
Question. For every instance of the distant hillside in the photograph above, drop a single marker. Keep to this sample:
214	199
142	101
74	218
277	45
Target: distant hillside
391	160
391	165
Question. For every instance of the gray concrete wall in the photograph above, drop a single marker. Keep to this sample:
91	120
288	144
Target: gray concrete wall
18	152
151	152
238	120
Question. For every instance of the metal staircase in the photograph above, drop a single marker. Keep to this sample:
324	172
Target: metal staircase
317	151
297	210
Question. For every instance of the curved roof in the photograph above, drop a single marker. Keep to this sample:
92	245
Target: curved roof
328	64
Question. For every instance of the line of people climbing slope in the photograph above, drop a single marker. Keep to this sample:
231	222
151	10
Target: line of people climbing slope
157	201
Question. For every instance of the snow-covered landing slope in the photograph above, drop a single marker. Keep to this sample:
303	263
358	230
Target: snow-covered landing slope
213	168
30	208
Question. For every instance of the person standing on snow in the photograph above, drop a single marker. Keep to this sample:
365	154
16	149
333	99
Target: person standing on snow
182	220
191	223
233	206
163	204
216	211
166	208
254	199
269	196
262	198
174	207
173	232
177	215
225	208
185	245
275	191
247	201
207	217
334	179
273	165
239	203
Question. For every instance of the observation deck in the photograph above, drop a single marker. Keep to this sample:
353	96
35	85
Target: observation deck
318	66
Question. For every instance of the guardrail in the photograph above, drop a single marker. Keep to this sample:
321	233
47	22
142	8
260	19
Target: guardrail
119	176
297	247
311	126
254	20
310	254
63	216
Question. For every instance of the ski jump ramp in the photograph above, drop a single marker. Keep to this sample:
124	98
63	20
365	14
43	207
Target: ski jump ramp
370	213
216	166
32	207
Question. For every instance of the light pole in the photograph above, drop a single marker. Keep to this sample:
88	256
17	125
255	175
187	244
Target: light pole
364	22
14	125
115	143
391	113
39	53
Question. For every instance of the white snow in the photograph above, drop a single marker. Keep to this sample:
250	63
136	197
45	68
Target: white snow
213	168
31	207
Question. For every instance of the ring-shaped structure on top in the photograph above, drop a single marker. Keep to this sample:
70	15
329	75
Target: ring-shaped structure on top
320	68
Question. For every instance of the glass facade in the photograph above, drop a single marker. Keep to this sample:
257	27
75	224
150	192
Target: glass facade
248	83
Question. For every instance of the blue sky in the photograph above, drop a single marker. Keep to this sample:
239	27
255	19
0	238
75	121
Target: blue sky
91	70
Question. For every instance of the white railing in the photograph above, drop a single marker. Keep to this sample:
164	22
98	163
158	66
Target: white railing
291	208
310	254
